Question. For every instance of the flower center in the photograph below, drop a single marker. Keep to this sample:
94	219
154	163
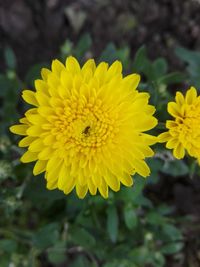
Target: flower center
188	128
85	125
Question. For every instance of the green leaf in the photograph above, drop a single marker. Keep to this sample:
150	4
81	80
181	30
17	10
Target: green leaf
120	263
155	166
172	233
82	237
10	58
123	55
163	209
172	78
8	245
143	201
83	46
5	261
36	192
130	217
81	261
192	58
46	236
175	168
125	194
5	84
34	73
172	248
57	253
109	54
153	217
158	260
160	67
11	97
66	49
140	255
131	194
140	59
112	223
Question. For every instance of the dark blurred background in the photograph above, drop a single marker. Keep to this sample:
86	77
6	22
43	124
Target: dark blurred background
35	29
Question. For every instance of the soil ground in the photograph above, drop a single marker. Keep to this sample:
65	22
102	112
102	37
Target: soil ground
36	29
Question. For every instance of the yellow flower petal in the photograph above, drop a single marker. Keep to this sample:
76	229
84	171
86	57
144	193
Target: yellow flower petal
103	189
100	72
179	151
179	98
46	153
164	137
29	97
29	157
26	141
145	124
41	86
69	186
42	98
126	180
112	182
52	184
34	130
191	95
172	143
45	73
81	191
114	69
19	129
65	181
132	81
173	109
57	67
171	124
37	145
36	119
92	188
72	65
90	64
39	167
141	167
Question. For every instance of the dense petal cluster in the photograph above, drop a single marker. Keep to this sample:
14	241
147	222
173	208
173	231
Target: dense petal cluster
184	131
85	130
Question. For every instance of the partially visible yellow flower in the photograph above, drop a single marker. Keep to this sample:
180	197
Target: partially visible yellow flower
85	130
184	131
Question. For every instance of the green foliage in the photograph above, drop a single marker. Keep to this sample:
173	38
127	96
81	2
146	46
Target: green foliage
79	50
192	59
156	71
112	223
130	216
46	236
128	229
34	73
175	168
111	53
10	58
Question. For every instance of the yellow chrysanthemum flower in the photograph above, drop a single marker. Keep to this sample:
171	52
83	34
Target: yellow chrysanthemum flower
184	130
86	129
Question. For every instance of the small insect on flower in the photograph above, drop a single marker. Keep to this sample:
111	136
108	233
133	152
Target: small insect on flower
85	130
184	131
